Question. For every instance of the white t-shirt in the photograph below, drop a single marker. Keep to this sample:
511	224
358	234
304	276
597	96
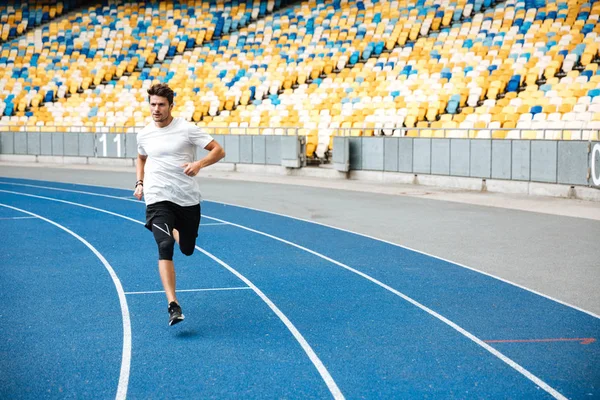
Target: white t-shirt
168	149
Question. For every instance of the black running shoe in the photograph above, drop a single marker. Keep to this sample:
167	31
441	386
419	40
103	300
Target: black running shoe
175	315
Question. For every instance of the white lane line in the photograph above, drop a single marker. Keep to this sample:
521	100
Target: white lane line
333	388
327	226
416	251
126	356
429	311
74	191
194	290
453	325
211	224
11	218
325	375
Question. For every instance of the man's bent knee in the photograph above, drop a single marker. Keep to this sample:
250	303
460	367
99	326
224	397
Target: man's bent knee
187	246
187	250
187	242
165	249
165	243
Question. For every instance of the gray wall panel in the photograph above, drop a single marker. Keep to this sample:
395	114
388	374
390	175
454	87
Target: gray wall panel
131	145
20	143
422	155
33	143
355	152
565	162
101	143
573	163
58	144
481	158
119	144
459	157
440	156
501	159
87	145
273	145
107	144
115	145
520	160
338	155
405	154
372	153
341	153
390	154
46	144
70	144
293	151
290	147
246	149
544	160
7	143
259	149
232	146
595	165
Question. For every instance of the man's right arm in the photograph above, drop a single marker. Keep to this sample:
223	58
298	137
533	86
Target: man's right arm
139	172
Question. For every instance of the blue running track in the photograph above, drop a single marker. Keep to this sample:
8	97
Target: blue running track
275	307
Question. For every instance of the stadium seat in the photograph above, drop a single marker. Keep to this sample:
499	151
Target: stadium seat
374	68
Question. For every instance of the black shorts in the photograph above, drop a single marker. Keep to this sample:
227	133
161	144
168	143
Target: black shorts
169	216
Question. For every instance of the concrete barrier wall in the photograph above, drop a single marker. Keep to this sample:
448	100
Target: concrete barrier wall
546	161
288	151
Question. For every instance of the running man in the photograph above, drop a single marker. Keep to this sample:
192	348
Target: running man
165	172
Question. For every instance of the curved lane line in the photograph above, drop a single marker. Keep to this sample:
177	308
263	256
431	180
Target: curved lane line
416	251
126	356
325	375
517	367
543	385
335	391
327	226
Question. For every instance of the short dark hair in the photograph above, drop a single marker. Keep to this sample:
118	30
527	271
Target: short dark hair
161	90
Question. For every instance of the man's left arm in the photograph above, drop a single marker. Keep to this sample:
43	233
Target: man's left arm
215	154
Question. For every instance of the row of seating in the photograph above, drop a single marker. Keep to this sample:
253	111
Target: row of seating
107	42
329	65
16	16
